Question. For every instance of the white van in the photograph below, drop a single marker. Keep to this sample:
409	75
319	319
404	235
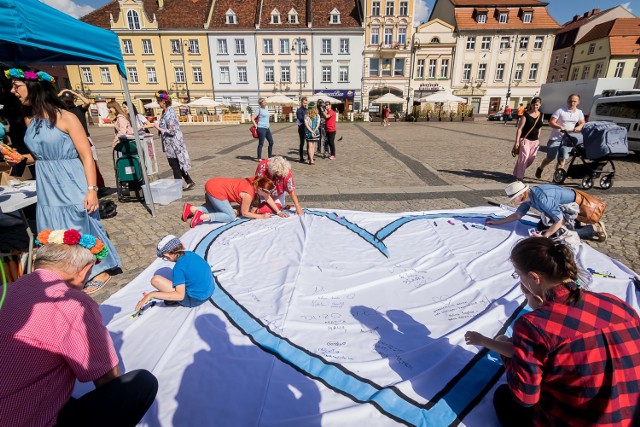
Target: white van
622	110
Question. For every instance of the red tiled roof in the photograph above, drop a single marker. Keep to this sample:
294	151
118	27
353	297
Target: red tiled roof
494	3
349	15
465	19
570	25
245	11
283	6
617	27
624	45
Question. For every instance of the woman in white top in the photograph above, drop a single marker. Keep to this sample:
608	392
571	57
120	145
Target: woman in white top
142	124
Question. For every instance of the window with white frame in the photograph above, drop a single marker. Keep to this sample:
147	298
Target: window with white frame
230	17
301	46
147	48
518	74
267	46
326	74
375	8
326	46
619	70
420	71
179	73
86	75
105	74
343	75
334	16
402	35
499	72
285	73
275	17
344	46
503	17
523	43
564	59
539	41
486	43
242	75
556	59
284	47
388	36
133	20
574	74
222	47
527	17
225	75
585	72
471	43
127	47
533	72
194	47
466	72
152	77
197	74
592	49
504	42
132	73
388	11
634	72
374	67
404	8
433	63
269	74
239	46
302	74
597	70
398	69
481	17
293	17
375	35
444	68
482	71
176	47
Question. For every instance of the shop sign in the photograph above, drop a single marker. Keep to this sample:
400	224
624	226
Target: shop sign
338	93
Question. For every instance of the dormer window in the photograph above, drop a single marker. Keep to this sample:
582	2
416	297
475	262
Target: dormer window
275	17
334	16
481	17
231	17
435	40
503	17
133	20
527	17
293	17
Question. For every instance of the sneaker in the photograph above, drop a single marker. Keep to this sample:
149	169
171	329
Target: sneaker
332	157
539	173
186	212
189	186
602	233
197	219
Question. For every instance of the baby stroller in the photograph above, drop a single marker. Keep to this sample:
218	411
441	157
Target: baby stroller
597	146
126	164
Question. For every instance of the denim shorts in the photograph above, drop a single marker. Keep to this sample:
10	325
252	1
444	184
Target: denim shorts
555	149
191	302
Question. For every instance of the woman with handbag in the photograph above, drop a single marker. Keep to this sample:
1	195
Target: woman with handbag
312	125
526	146
261	122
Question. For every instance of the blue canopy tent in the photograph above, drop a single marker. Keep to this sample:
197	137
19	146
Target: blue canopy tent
33	33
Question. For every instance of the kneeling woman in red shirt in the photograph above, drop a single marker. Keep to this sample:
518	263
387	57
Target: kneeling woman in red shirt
221	192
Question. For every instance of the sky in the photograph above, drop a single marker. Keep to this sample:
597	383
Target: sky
561	10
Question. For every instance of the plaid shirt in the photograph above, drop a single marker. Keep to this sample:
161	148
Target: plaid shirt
579	366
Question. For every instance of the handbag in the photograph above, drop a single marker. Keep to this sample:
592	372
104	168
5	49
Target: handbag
591	208
516	151
253	129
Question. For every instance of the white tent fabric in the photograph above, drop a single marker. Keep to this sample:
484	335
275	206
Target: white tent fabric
317	96
280	99
389	98
205	101
443	97
336	318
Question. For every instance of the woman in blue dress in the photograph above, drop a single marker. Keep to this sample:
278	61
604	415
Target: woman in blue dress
66	173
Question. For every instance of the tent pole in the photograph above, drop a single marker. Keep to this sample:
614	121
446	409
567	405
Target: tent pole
143	165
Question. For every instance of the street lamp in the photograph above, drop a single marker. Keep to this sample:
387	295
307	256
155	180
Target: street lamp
514	40
415	45
301	46
185	44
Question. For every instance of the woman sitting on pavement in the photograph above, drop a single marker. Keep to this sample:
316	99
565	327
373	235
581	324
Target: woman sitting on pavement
278	170
221	192
52	334
575	357
558	211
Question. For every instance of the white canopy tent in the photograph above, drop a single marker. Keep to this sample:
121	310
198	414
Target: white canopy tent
280	99
205	102
326	98
443	96
388	98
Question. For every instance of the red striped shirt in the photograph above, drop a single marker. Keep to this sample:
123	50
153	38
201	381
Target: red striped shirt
50	335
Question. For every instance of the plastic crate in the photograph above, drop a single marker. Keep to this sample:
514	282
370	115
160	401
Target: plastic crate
165	191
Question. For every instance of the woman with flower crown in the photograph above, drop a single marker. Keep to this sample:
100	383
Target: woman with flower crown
66	174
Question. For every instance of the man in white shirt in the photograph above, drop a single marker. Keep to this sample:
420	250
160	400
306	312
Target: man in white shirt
570	119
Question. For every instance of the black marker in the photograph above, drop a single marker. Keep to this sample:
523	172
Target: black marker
465	226
435	223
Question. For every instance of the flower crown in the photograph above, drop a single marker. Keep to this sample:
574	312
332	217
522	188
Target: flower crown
40	76
163	95
73	237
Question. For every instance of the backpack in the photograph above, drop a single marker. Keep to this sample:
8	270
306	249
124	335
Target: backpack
108	209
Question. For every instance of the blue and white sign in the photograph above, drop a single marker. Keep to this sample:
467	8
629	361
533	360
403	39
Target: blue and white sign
338	93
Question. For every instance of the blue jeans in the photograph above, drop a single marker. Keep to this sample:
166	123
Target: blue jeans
218	210
262	134
585	232
189	301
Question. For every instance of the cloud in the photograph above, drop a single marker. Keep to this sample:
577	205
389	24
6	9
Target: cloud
69	7
420	12
627	6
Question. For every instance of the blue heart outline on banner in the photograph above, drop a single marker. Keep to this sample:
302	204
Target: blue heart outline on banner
447	407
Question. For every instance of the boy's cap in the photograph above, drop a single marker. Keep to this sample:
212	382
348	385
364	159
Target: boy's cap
166	244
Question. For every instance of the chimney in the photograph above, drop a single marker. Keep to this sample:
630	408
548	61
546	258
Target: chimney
576	17
596	10
586	15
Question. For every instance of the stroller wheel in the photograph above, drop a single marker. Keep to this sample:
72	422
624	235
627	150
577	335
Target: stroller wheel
587	182
559	176
606	182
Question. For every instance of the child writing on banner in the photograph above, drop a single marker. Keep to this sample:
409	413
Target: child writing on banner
192	282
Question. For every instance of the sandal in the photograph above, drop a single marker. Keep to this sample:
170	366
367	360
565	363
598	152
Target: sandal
539	173
602	234
93	286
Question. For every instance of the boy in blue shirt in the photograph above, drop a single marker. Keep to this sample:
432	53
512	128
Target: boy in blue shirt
192	282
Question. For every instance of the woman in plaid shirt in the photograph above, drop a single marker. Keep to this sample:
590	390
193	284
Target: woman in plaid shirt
576	358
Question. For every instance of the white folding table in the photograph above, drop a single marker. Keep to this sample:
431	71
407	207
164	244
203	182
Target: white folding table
15	199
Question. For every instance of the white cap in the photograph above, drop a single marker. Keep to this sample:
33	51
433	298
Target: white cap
166	244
